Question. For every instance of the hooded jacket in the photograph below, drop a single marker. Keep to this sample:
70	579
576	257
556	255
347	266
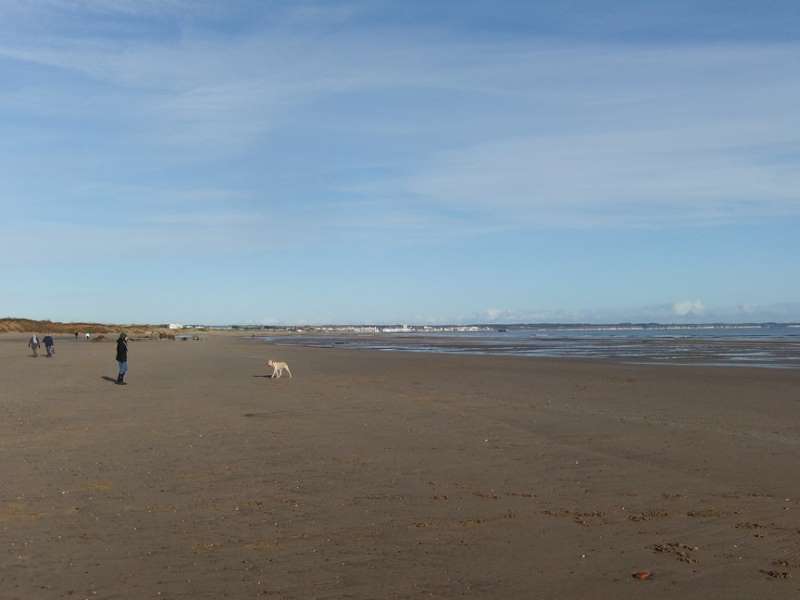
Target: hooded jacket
122	350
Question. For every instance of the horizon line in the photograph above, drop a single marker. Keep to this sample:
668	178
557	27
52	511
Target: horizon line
409	325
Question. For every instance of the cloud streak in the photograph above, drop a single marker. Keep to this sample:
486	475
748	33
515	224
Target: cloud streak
705	142
208	129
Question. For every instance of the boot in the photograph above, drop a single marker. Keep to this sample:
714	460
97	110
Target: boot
120	378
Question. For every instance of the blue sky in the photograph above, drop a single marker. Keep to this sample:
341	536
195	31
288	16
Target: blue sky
376	161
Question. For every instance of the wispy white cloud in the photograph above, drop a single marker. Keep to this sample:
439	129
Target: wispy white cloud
686	308
533	125
660	175
471	137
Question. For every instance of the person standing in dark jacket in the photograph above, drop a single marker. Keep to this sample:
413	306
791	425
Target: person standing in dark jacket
122	357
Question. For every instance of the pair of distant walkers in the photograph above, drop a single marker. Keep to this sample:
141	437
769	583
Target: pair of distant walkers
122	357
49	345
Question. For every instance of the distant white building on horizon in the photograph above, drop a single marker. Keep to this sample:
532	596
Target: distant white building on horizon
402	329
175	326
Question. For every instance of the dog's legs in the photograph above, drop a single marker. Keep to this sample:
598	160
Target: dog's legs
289	371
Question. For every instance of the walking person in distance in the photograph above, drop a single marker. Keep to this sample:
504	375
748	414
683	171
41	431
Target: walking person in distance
34	344
122	357
49	345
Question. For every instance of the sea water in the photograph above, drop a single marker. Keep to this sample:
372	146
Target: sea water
767	345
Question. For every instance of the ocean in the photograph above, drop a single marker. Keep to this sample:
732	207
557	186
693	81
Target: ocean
766	345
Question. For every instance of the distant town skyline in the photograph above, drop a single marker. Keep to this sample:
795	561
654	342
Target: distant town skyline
368	162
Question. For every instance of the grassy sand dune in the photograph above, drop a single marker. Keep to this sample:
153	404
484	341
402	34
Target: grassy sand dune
14	325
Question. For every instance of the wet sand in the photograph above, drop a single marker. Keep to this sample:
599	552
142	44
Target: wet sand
392	475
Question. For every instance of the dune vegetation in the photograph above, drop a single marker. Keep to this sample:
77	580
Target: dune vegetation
13	325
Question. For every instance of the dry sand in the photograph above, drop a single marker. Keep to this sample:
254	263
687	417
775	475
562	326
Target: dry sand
376	475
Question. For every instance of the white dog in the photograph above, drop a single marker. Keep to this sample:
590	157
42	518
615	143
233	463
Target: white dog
278	368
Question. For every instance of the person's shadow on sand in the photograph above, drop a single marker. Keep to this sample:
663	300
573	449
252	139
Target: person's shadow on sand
107	378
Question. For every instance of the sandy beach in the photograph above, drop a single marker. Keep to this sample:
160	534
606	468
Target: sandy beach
391	475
